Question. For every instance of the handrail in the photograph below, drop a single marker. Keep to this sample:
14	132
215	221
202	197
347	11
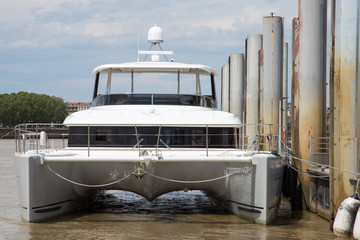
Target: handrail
154	99
322	148
207	140
137	140
88	140
27	135
158	138
28	138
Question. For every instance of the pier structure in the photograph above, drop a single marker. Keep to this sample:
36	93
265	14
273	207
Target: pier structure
326	155
344	100
236	77
225	88
254	43
284	90
271	82
311	84
255	84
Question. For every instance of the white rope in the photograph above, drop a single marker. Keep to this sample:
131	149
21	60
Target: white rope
285	145
322	165
150	174
208	180
199	181
307	161
317	164
86	185
307	174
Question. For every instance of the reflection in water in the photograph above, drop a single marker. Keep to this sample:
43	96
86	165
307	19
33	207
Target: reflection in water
172	203
177	215
123	215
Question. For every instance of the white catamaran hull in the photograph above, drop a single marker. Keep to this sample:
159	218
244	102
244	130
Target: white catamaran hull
246	183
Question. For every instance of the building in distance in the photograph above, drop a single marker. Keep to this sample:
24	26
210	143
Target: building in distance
77	106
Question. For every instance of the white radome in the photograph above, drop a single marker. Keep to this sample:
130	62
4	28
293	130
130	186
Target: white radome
155	35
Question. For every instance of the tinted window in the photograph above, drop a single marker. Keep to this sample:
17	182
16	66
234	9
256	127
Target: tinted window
149	137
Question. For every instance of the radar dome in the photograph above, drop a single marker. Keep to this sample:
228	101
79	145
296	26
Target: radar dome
155	35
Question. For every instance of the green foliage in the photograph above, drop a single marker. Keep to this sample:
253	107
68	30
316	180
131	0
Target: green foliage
24	107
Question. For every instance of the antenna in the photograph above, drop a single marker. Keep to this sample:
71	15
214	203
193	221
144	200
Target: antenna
138	58
155	37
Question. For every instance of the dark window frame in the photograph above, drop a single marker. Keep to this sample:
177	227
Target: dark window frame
175	137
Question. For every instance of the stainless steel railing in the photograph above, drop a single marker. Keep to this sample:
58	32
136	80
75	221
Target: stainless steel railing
319	150
37	137
40	136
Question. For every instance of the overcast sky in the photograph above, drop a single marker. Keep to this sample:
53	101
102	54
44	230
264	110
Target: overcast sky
51	47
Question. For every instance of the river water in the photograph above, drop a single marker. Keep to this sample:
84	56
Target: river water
122	215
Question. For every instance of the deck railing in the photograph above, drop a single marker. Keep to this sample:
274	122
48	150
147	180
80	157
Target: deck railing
37	137
155	99
40	136
319	150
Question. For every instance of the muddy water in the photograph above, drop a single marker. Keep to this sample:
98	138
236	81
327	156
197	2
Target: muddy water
122	215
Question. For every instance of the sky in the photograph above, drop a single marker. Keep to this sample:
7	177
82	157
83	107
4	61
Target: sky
52	47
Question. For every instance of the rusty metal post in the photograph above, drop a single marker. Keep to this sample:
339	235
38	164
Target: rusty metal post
332	125
225	88
236	65
254	45
296	200
295	88
312	80
284	95
273	29
261	128
344	89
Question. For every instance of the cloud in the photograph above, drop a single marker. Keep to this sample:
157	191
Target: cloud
88	28
23	43
59	22
64	39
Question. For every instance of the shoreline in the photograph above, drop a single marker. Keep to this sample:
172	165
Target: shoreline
7	133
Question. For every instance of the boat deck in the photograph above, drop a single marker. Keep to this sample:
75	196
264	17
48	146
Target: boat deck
130	154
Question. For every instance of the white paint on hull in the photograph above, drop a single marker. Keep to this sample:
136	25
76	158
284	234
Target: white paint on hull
44	195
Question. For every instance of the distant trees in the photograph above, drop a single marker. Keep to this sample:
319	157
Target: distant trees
24	107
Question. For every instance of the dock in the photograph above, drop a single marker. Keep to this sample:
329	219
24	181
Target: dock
321	136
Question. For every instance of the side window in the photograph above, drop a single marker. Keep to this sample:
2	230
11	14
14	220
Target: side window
221	137
174	137
78	136
103	135
198	137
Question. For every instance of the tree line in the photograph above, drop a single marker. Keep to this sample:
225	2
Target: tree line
24	107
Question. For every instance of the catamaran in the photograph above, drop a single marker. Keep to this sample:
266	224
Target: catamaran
147	143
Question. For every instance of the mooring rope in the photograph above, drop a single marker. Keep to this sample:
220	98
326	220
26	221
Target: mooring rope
198	181
321	165
214	179
85	185
305	173
150	174
357	187
287	154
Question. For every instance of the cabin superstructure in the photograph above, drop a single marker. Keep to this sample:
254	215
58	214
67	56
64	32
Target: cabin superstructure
146	119
178	70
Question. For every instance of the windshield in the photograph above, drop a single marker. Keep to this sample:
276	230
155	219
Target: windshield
154	83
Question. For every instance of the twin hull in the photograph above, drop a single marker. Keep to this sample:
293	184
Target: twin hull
247	184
